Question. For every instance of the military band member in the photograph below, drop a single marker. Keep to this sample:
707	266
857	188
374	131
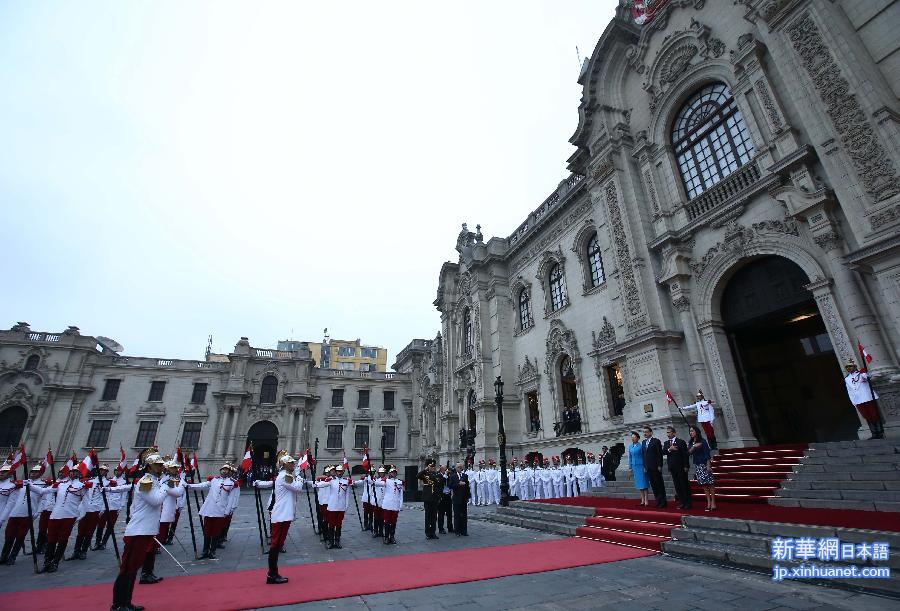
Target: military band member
116	496
146	504
392	503
285	489
432	490
15	514
215	508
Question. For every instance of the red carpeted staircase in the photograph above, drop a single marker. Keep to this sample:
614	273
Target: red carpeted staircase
743	475
751	475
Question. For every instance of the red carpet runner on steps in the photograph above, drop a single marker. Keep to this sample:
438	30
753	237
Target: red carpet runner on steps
327	580
745	479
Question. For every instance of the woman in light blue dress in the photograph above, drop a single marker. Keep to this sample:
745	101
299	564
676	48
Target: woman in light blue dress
636	462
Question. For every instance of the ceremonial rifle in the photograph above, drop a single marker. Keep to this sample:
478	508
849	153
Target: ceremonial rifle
27	487
112	531
191	524
316	490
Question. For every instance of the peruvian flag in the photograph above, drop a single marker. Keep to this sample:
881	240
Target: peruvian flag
46	461
123	462
248	459
643	11
866	357
346	465
87	465
19	458
134	465
669	397
195	466
179	458
365	461
70	464
303	461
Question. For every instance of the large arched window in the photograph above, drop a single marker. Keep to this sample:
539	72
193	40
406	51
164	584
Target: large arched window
524	310
269	390
710	138
468	332
12	425
595	262
558	297
32	363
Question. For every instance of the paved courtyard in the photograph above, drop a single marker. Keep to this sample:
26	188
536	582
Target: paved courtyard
647	583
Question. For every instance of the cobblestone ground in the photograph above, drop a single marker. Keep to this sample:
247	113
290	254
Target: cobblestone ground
657	582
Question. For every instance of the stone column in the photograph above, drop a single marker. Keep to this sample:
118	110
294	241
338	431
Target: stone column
682	305
727	391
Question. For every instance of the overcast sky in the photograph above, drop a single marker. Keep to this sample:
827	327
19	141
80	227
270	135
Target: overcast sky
170	170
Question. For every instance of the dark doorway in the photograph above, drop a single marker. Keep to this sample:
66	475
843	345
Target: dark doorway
264	437
12	425
791	379
616	388
569	385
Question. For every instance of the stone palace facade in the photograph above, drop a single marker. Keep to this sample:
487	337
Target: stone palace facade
731	223
72	392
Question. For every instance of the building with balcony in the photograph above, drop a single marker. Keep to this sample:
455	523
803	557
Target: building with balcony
731	223
74	392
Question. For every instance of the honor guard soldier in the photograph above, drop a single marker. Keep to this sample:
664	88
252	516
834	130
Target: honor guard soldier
863	397
69	496
116	496
285	492
92	505
15	514
175	471
170	503
392	503
706	416
378	506
324	494
368	499
338	499
215	508
234	499
147	499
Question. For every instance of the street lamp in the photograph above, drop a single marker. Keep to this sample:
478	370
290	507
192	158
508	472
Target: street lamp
501	439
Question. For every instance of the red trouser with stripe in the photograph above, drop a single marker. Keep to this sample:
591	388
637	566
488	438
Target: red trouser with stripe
136	549
17	528
213	526
88	523
58	531
279	535
708	430
390	517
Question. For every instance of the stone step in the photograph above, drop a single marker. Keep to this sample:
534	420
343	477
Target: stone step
551	516
858	475
864	450
865	494
836	484
816	503
534	524
865	445
854	459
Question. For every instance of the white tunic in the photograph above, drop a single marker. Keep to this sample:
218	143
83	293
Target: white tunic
705	410
170	503
285	496
858	388
324	492
338	492
7	488
93	498
393	493
218	498
17	505
69	495
146	505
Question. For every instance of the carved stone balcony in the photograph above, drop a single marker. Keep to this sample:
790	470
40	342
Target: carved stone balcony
740	182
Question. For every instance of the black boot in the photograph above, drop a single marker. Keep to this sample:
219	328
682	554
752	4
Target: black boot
336	539
15	552
393	531
59	553
147	576
212	548
7	546
130	594
378	526
386	536
273	577
49	555
878	432
81	545
98	541
41	542
205	553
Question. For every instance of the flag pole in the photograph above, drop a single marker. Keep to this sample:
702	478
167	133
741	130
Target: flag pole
52	470
31	526
191	524
316	490
671	399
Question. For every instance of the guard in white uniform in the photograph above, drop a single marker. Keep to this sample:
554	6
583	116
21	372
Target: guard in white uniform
69	495
15	514
863	397
594	473
170	504
140	545
338	500
215	508
285	489
581	476
706	416
392	503
116	497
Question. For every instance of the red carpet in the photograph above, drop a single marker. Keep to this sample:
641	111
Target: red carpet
872	520
327	580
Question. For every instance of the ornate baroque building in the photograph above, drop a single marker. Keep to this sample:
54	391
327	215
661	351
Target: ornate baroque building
73	392
731	223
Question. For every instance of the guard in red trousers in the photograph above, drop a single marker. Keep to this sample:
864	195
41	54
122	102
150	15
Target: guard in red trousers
116	496
324	495
286	487
215	508
170	504
338	498
15	513
93	506
146	505
69	496
43	509
392	503
378	505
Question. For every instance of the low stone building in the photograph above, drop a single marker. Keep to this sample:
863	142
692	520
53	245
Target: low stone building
73	392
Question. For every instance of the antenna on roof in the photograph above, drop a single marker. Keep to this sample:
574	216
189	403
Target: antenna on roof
209	347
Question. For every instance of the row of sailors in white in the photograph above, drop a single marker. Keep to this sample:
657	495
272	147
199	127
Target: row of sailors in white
529	483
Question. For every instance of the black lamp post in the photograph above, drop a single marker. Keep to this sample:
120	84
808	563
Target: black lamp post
501	439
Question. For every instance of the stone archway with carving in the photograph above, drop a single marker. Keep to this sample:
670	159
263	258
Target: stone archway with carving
561	342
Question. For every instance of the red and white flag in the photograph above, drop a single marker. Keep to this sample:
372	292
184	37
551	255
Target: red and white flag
19	458
46	461
303	461
70	464
866	357
365	461
123	462
643	11
195	466
179	458
248	459
134	466
346	465
87	465
669	397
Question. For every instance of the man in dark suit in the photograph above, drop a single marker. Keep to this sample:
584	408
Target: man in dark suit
653	462
677	458
445	506
459	484
432	488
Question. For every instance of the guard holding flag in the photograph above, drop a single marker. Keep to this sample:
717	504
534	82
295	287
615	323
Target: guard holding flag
15	513
863	397
285	496
706	415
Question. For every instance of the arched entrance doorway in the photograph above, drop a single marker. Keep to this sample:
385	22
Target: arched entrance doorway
786	365
12	425
264	437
